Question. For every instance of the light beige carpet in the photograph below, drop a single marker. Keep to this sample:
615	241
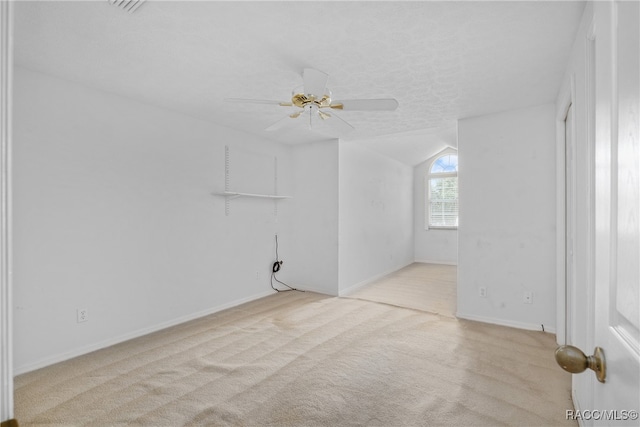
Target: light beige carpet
303	359
426	287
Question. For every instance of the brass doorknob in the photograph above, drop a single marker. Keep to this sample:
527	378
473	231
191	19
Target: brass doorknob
573	360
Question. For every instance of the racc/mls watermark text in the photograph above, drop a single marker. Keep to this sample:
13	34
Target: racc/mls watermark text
606	415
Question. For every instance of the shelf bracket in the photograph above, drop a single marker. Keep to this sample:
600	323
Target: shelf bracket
227	205
275	185
230	195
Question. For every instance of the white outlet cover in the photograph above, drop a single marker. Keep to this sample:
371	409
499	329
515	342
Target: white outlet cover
82	315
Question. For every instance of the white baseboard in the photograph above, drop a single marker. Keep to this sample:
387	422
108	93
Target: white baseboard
428	261
353	288
504	322
135	334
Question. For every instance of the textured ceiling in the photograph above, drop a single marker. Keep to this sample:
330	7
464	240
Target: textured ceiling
441	60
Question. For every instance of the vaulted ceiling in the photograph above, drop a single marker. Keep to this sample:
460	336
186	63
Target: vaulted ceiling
442	61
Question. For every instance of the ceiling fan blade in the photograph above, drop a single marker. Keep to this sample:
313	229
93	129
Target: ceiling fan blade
259	101
387	104
315	81
332	123
283	122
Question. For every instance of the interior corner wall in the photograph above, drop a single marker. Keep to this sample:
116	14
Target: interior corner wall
113	213
311	254
506	235
430	245
376	215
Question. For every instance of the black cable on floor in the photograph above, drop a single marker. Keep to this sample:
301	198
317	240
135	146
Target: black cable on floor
274	269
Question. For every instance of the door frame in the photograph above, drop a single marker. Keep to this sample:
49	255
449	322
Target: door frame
590	91
576	325
583	124
563	314
6	313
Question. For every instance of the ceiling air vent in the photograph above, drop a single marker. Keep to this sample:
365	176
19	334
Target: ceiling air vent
128	5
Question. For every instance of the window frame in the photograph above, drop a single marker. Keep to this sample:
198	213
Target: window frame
427	190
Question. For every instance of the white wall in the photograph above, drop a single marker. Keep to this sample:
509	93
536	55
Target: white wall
507	226
311	253
376	215
432	246
113	213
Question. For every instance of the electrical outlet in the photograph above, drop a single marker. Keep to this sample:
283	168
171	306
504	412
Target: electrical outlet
82	315
482	291
528	298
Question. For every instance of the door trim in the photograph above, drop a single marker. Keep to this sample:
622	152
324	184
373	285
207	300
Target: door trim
6	314
565	100
590	90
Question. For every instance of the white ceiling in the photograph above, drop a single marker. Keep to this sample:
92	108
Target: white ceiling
441	60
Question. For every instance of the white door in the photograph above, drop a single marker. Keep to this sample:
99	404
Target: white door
617	225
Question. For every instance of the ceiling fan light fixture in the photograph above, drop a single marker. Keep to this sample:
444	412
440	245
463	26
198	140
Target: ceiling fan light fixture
323	115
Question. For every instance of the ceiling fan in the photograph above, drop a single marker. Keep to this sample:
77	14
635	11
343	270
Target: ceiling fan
313	104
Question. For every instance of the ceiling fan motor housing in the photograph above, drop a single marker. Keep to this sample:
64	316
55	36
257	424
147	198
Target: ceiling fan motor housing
301	100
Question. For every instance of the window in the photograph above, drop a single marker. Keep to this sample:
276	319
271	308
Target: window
442	193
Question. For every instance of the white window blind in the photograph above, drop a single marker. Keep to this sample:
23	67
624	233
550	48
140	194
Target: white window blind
443	202
441	207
